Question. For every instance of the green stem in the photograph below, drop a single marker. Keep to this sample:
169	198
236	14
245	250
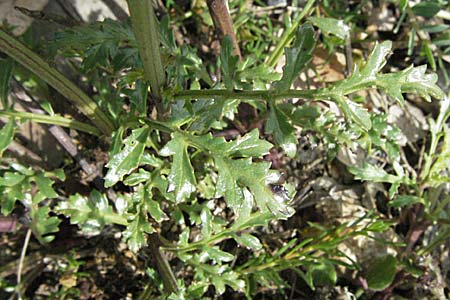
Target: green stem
53	120
145	28
435	129
53	77
267	95
288	35
227	234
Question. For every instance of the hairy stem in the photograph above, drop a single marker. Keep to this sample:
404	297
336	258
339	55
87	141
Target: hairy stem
145	28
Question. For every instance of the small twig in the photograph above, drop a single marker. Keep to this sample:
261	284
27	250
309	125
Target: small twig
22	257
222	21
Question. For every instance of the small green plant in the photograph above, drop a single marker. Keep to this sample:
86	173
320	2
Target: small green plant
171	170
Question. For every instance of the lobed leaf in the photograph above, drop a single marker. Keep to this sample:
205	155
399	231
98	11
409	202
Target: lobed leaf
91	213
208	113
248	241
278	124
373	173
128	158
410	80
332	26
181	178
217	255
45	186
42	224
228	62
136	231
355	113
297	57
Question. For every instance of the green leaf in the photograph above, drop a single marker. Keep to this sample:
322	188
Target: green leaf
255	219
248	241
11	179
209	112
410	80
42	224
155	210
91	213
297	57
207	225
405	200
136	232
140	205
376	60
248	145
221	275
22	169
442	40
45	186
376	174
151	160
435	28
136	178
9	197
7	135
181	178
218	255
228	62
128	158
278	124
382	272
253	176
228	187
355	112
332	26
426	9
323	273
437	175
116	141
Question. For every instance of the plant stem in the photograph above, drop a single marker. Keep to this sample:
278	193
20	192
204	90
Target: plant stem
168	278
435	129
53	77
218	9
22	258
54	120
145	28
267	95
